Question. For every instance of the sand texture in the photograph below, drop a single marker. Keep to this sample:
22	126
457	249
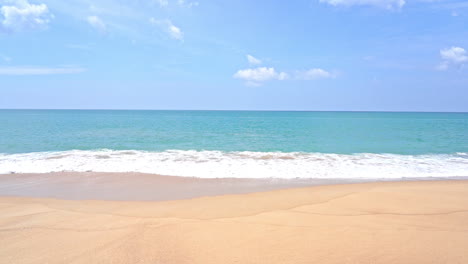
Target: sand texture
134	186
393	222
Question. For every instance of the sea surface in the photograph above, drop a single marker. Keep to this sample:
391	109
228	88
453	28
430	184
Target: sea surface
242	144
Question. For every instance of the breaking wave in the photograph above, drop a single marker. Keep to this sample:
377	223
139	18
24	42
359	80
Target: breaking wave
218	164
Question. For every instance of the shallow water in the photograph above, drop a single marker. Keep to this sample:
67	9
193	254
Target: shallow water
242	144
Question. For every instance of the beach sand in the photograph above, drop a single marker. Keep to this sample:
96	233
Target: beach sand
134	186
384	222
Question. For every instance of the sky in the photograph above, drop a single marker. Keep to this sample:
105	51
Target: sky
325	55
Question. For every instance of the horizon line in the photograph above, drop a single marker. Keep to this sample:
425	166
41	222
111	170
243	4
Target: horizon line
232	110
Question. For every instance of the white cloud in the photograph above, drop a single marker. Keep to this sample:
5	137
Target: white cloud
389	4
97	23
253	61
184	3
313	74
166	25
455	56
39	70
21	15
256	76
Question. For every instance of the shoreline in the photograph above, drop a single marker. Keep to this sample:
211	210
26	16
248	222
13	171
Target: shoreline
380	223
134	186
240	164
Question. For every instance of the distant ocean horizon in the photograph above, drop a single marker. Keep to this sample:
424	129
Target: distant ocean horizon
240	143
229	110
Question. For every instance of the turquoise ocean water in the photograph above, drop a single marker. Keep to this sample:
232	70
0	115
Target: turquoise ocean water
236	143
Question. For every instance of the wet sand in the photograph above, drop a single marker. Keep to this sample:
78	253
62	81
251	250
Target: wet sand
384	222
139	186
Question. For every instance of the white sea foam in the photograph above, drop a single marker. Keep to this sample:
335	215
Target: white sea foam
217	164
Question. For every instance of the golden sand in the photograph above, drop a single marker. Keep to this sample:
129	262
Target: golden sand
397	222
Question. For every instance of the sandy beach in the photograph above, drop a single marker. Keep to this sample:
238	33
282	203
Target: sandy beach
385	222
133	186
233	132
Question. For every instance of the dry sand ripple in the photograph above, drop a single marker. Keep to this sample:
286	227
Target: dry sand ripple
393	222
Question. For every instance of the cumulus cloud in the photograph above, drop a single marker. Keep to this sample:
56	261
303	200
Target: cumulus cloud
97	23
259	75
166	25
313	74
19	15
253	61
454	56
389	4
39	70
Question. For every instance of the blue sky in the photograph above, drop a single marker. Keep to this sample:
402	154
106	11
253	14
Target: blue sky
360	55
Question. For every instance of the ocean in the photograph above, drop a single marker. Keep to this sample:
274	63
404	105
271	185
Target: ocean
239	144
